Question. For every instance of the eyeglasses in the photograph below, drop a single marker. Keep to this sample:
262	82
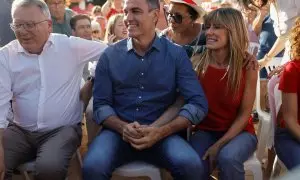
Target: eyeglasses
176	17
27	26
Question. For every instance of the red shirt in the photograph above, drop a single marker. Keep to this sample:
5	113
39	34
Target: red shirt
111	12
290	83
223	105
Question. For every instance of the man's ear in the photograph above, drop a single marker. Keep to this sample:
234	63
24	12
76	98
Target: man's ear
155	15
73	32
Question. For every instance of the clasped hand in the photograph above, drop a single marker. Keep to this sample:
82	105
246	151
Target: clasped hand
141	136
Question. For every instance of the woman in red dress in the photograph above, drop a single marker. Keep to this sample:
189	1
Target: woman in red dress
226	137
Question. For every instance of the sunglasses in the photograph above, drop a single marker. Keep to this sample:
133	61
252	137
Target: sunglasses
176	17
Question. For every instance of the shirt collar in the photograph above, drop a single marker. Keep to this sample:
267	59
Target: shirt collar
156	44
48	43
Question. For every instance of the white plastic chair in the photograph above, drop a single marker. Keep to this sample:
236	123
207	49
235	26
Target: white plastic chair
264	126
275	62
138	169
30	166
254	165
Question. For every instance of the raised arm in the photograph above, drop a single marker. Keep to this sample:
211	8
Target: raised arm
106	7
87	50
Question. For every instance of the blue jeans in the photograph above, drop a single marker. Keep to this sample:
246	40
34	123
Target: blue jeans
287	148
231	157
108	151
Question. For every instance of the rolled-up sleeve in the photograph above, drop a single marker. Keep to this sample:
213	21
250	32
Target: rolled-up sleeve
196	106
5	91
102	91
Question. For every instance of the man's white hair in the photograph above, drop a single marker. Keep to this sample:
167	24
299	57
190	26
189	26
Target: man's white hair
39	3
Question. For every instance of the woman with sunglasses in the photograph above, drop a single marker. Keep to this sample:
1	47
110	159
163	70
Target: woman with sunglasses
226	137
182	16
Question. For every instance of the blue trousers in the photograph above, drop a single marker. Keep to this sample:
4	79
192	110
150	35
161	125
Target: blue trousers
231	157
287	148
108	151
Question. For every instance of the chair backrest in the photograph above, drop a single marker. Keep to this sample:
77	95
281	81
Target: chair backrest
253	48
275	62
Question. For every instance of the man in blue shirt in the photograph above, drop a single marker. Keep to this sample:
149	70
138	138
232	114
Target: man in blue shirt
136	82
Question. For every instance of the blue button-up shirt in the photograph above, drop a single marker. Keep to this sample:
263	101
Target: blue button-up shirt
140	89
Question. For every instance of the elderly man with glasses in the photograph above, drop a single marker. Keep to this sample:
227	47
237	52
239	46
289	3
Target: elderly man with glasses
43	72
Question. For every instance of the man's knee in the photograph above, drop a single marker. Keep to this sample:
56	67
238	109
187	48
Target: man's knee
99	165
189	164
51	168
227	160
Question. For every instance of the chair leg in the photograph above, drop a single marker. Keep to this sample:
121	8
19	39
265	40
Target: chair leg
26	175
257	173
154	174
79	157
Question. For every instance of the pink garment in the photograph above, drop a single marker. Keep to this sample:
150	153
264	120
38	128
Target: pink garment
274	104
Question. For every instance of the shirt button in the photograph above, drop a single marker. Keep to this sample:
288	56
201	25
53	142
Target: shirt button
140	97
142	74
142	87
137	109
142	59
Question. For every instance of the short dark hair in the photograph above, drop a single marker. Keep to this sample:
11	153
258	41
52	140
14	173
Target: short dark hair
76	18
194	14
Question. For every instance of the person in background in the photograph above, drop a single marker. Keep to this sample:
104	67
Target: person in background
284	14
82	7
183	27
112	7
115	29
96	30
81	27
102	21
226	137
60	16
263	27
287	136
96	11
137	80
162	21
42	72
6	34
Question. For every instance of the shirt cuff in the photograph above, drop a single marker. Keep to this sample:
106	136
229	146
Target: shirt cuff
102	113
192	113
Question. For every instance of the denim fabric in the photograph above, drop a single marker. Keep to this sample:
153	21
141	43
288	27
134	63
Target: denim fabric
287	148
231	157
108	151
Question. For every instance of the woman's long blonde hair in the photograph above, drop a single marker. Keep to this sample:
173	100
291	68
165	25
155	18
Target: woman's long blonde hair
295	40
110	27
238	41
